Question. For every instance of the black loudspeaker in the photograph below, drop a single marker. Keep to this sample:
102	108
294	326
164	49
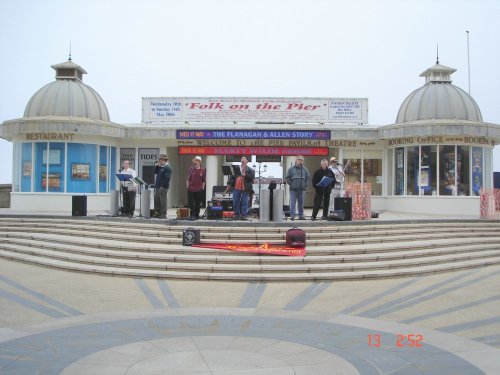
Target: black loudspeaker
190	236
344	204
215	212
79	205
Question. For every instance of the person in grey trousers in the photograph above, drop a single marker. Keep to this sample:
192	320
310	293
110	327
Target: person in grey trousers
297	178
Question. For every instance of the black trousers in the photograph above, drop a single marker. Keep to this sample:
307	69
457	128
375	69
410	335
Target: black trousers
128	201
194	202
318	199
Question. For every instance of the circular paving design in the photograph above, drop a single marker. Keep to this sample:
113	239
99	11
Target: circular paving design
234	341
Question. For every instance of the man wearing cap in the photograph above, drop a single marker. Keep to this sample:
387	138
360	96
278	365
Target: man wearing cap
163	171
195	184
338	170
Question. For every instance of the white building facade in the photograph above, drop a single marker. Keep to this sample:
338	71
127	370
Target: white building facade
434	159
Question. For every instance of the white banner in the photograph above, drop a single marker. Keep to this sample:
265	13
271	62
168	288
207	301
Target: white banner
270	110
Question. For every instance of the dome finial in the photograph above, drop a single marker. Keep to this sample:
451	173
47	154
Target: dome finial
437	53
69	58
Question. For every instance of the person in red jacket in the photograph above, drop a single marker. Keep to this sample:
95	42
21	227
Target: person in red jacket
195	183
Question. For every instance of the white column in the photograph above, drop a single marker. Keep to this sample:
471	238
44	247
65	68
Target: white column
212	166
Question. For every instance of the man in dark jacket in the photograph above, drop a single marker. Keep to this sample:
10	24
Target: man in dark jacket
242	185
163	171
322	192
297	178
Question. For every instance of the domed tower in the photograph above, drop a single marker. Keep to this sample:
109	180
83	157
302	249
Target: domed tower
63	144
439	144
438	99
67	96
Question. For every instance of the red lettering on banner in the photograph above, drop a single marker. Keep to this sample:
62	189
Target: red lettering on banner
205	106
268	106
302	107
258	249
285	151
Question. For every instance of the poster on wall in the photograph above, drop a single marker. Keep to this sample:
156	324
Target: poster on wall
54	157
53	181
103	172
400	177
80	171
477	170
127	154
27	168
147	160
424	177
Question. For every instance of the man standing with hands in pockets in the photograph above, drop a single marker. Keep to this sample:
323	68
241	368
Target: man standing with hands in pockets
163	171
297	178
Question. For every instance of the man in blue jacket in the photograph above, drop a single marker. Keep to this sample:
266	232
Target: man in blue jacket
163	171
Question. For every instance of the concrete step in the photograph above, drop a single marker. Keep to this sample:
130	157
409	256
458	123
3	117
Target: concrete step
313	239
333	251
192	254
178	265
334	248
252	276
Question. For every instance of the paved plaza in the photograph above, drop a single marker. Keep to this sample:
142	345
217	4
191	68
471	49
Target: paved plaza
60	322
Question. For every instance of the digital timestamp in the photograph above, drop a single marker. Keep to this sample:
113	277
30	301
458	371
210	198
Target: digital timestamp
410	340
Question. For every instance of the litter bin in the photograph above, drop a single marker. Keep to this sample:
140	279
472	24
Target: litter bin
79	205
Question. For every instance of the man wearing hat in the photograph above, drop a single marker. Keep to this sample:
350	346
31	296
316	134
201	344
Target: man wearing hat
338	170
195	184
163	171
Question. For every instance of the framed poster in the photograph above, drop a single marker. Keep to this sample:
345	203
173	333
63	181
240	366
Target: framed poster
424	177
80	171
103	172
54	181
26	168
54	157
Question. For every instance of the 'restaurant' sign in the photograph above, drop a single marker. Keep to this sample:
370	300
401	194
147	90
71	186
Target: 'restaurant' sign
267	110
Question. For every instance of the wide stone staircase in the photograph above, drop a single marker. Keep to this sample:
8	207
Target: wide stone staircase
335	251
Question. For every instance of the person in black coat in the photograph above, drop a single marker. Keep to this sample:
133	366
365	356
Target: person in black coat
322	194
163	172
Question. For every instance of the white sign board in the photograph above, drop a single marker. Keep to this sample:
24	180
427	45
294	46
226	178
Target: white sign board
270	110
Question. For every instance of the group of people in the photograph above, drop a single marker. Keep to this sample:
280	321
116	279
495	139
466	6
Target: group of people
163	172
325	190
241	185
195	184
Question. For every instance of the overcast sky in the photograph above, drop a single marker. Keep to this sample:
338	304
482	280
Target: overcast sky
301	48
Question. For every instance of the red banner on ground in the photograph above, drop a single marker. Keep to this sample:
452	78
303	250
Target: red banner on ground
257	249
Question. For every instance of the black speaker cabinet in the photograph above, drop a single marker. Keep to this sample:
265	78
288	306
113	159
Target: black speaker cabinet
79	205
190	237
214	212
344	204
